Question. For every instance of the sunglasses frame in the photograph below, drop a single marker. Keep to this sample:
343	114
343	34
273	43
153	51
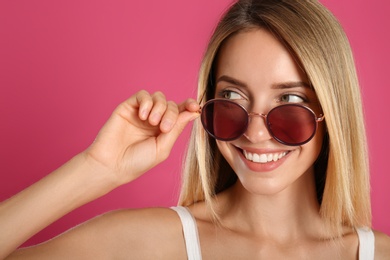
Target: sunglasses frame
265	117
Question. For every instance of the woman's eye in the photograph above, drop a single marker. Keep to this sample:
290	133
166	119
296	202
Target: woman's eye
231	95
290	98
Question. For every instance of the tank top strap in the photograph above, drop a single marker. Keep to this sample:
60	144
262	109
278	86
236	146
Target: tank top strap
366	243
190	232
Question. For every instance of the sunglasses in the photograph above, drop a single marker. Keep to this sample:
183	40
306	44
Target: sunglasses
289	124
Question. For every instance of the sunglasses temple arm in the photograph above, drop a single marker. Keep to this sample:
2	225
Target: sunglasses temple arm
320	118
200	102
202	97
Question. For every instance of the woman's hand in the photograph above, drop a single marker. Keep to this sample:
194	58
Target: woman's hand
140	134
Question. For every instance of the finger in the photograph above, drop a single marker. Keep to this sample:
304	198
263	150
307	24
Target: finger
158	109
166	141
170	116
145	103
138	105
189	105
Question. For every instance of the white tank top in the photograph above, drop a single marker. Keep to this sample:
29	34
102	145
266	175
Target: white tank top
191	237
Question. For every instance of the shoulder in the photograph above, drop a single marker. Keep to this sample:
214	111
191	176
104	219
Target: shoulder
154	233
149	225
150	233
382	245
150	216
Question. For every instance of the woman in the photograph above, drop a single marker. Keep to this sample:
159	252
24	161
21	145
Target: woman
280	173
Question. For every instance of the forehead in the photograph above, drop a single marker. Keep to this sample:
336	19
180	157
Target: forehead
256	56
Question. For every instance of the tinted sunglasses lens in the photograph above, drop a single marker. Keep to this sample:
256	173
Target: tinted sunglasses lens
224	120
292	124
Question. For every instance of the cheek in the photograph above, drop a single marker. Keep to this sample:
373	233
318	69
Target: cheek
224	149
229	152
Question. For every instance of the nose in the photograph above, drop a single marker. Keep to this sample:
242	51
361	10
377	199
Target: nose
257	130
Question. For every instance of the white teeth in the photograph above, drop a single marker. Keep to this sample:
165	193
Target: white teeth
263	158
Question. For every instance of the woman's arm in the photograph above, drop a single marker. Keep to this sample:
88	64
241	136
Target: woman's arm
154	233
139	135
67	188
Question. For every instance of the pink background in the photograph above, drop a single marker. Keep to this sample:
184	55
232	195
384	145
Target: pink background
65	65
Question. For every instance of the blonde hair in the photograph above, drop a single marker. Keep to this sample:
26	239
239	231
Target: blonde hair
315	38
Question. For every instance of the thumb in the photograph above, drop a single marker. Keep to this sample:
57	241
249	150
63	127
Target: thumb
167	140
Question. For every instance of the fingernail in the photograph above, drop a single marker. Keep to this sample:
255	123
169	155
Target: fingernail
155	117
195	116
144	114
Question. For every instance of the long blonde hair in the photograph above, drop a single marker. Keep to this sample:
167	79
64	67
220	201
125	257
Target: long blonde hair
315	38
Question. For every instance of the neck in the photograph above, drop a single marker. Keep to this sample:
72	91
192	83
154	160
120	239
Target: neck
292	212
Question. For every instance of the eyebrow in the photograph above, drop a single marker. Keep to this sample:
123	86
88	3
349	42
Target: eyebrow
292	84
282	85
231	80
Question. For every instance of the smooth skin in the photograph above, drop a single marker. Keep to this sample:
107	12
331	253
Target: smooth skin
270	214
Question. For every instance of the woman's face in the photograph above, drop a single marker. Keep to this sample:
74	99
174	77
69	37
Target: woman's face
255	70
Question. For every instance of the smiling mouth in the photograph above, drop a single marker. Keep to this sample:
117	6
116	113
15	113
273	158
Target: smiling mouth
264	157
